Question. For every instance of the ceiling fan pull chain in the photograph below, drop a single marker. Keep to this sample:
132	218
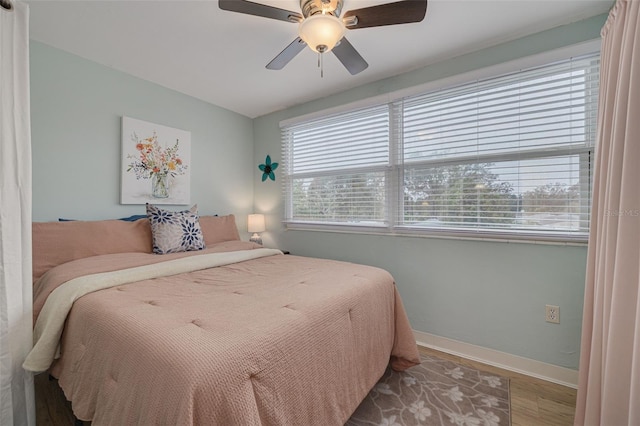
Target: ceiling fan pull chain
321	64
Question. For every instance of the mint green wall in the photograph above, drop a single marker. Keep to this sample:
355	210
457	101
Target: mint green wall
490	294
76	110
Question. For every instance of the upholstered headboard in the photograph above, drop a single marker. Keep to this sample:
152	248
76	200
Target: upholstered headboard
55	243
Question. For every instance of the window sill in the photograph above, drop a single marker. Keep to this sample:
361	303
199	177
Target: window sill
501	237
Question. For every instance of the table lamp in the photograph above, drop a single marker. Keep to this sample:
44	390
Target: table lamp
255	224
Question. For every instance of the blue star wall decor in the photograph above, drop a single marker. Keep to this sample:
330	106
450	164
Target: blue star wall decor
267	169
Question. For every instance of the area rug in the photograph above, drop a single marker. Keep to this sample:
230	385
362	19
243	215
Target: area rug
436	392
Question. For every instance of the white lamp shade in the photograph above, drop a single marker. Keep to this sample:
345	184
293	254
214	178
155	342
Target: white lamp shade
255	223
321	30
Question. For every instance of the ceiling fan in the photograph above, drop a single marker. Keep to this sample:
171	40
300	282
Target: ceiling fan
322	29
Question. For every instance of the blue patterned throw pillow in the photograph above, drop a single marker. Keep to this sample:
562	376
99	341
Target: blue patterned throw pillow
175	232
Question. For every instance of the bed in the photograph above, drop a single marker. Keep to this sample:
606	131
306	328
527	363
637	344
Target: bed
232	333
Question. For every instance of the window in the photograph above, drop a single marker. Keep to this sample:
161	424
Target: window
507	157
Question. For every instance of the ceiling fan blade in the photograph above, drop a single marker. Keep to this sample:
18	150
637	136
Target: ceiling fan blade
287	54
349	56
400	12
257	9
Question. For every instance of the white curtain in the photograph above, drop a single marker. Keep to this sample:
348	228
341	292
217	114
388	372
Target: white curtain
609	383
17	403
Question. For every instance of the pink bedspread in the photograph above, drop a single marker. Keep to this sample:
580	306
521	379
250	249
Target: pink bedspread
280	340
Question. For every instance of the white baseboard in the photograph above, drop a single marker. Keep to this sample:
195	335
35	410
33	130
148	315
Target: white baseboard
541	370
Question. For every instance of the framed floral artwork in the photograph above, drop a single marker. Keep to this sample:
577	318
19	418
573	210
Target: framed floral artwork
155	163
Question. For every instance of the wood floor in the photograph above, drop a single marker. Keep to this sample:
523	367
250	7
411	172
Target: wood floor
533	402
52	408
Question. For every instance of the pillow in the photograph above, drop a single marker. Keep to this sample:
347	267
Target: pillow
218	229
55	243
132	218
175	232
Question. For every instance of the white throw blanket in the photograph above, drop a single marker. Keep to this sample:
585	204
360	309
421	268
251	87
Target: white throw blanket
50	323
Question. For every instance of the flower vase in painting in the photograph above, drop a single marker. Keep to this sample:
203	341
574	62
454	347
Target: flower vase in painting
160	185
154	162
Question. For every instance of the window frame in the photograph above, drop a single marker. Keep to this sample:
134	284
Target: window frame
394	171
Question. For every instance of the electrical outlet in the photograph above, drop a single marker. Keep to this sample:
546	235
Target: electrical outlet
552	314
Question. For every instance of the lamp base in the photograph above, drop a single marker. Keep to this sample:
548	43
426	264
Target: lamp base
256	238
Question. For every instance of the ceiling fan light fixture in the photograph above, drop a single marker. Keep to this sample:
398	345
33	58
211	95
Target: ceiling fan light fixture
321	32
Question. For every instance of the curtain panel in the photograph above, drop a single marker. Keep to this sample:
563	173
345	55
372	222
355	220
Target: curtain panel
17	403
609	378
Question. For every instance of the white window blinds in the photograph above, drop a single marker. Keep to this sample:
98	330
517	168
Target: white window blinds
509	155
335	168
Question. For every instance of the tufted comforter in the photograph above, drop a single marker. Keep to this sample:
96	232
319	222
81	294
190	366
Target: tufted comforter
275	340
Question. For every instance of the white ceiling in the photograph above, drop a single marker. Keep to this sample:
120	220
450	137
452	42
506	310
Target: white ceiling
195	48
